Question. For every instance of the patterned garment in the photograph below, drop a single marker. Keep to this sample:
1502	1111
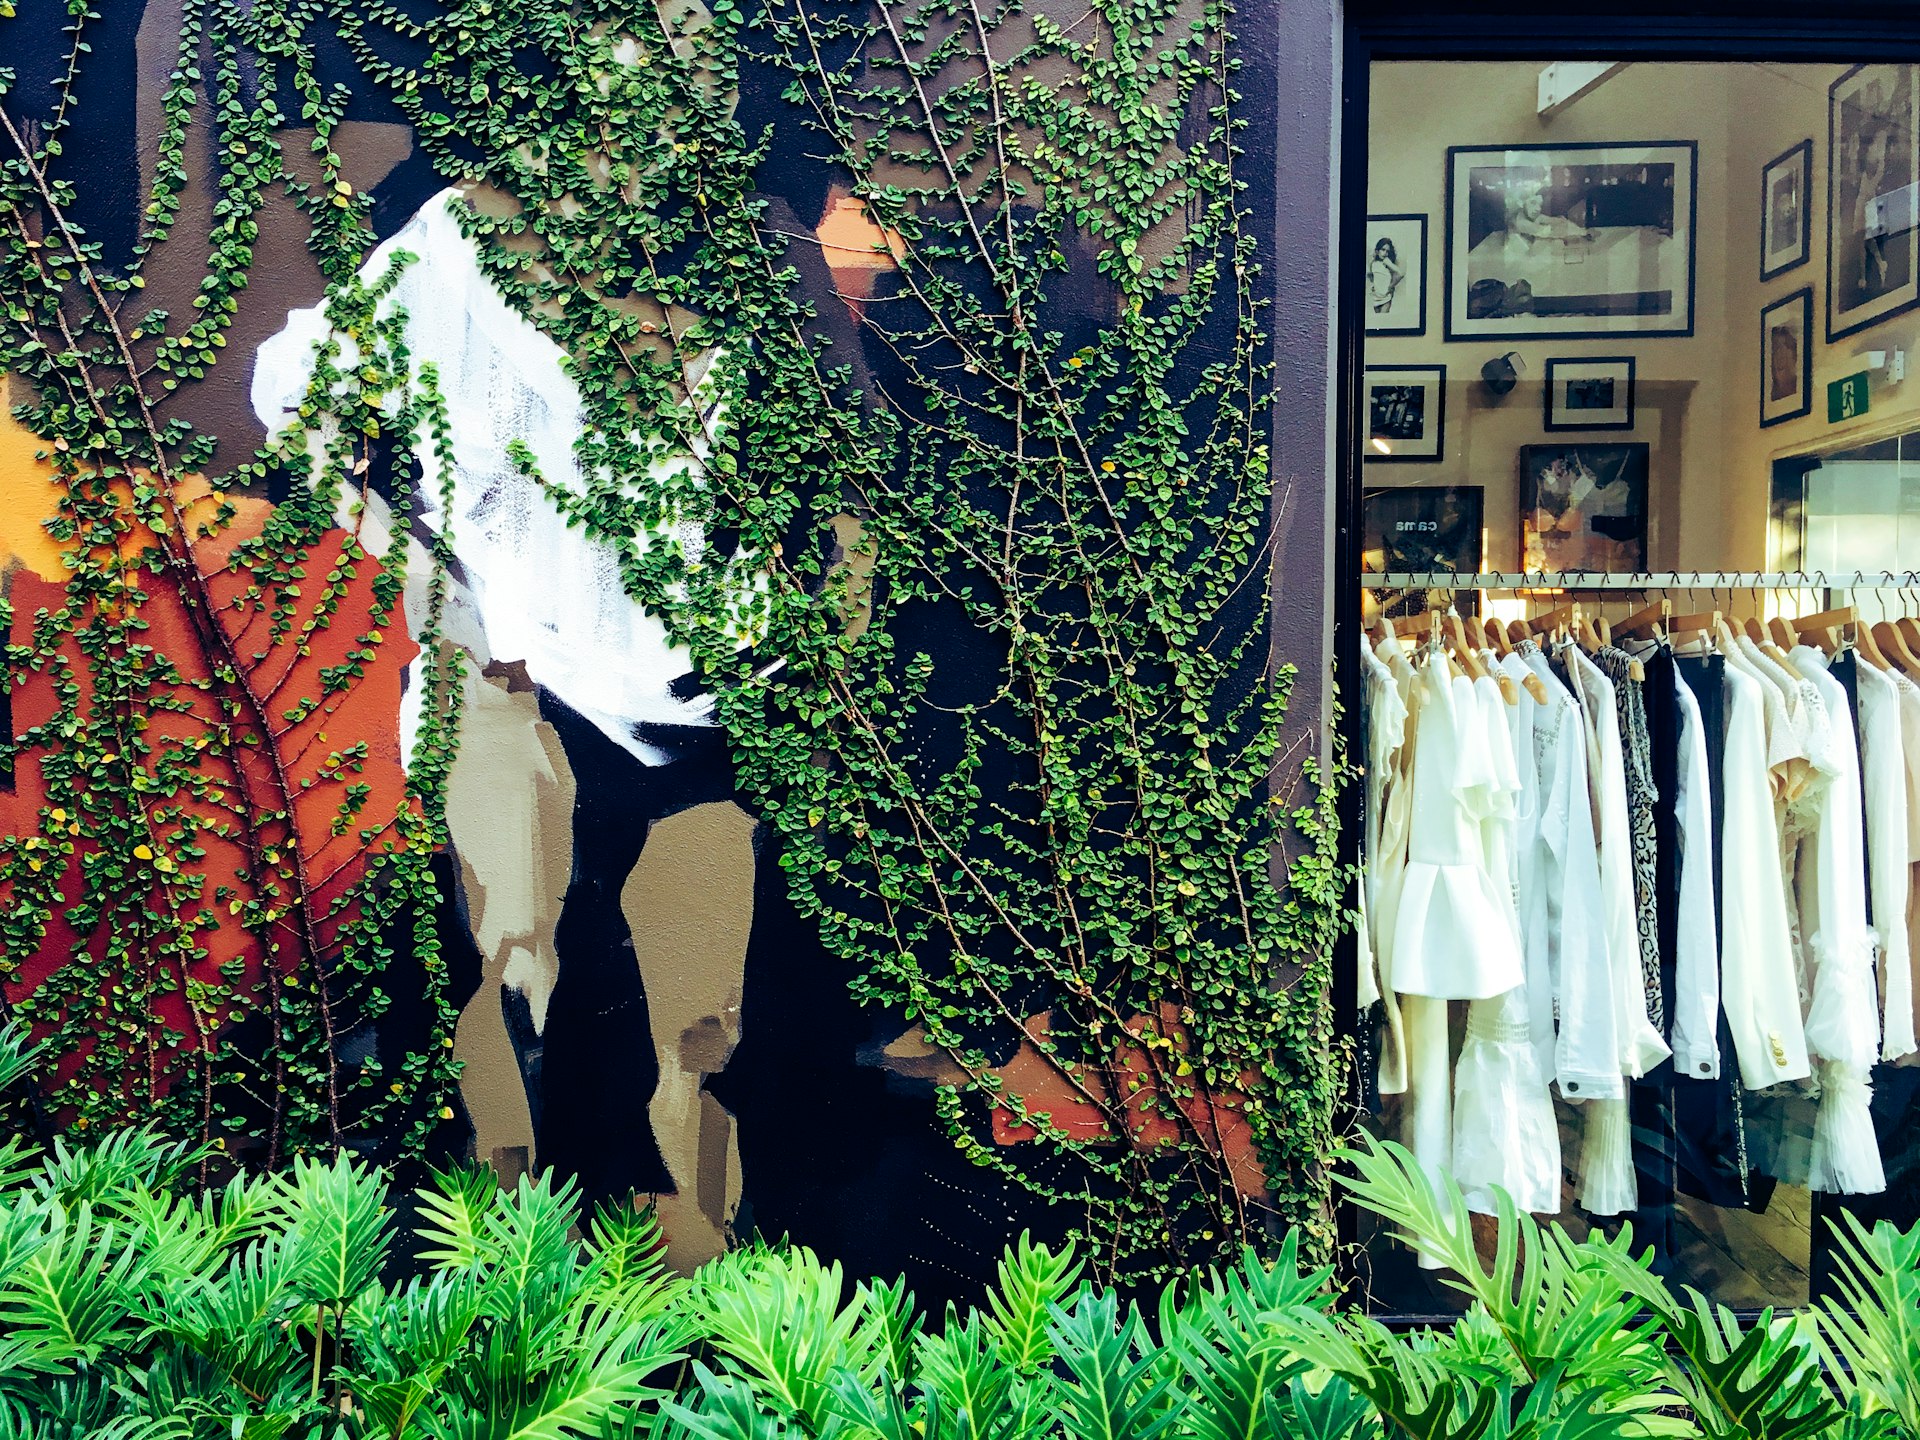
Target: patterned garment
1641	798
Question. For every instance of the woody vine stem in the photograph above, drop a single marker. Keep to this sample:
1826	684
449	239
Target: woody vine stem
1041	431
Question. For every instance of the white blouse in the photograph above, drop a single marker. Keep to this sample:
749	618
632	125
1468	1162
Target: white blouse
1843	1021
1560	913
1695	1012
1759	990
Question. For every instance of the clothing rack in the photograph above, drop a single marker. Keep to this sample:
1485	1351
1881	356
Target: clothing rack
1658	580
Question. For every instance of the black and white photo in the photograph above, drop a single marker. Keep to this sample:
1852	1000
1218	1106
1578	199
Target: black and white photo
1396	274
1423	529
1873	270
1570	241
1786	358
1786	220
1583	507
1594	394
1406	412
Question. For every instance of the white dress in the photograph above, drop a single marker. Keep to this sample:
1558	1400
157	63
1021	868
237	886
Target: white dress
1440	910
1504	1132
1843	1021
1437	908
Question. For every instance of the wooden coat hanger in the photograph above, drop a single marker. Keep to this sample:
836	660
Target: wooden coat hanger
1709	620
1496	633
1893	644
1827	627
1647	622
1782	634
1548	623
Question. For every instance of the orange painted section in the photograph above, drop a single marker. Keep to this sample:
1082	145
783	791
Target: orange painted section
288	763
1072	1098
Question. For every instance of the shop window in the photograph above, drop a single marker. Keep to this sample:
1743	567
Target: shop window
1638	471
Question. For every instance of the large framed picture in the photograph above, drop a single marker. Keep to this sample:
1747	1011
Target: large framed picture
1396	274
1594	394
1786	220
1871	261
1570	241
1583	507
1422	528
1786	358
1406	412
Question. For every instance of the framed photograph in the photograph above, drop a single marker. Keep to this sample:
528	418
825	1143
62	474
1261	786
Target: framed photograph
1871	261
1423	528
1406	413
1570	241
1590	394
1396	275
1786	220
1786	358
1583	507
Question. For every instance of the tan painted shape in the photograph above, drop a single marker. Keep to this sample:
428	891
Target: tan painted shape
856	555
689	907
283	276
510	812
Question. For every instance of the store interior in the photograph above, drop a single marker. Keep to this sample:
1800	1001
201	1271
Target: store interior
1639	343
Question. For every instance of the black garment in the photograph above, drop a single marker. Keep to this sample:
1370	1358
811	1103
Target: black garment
1709	1129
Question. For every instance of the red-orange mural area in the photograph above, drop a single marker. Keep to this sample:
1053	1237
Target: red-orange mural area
199	836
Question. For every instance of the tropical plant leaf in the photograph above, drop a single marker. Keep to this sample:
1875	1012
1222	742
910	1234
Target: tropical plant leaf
1110	1392
1031	1281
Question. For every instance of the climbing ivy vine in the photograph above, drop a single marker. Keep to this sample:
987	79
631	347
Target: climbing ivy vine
975	565
202	902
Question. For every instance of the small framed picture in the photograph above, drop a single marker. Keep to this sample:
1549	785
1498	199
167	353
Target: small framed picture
1422	529
1406	412
1396	275
1786	358
1786	220
1583	507
1590	394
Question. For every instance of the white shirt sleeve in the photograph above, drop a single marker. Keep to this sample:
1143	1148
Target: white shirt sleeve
1586	1059
1696	1009
1883	786
1758	986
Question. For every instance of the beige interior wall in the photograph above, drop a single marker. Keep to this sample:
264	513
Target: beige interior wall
1697	399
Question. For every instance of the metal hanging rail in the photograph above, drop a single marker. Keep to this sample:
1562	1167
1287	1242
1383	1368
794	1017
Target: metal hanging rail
1657	580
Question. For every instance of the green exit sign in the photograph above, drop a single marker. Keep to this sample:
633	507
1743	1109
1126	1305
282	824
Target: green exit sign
1847	399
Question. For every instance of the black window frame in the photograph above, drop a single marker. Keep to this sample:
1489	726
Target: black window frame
1813	31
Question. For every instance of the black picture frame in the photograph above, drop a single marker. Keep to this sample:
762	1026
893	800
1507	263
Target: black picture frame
1801	157
1596	495
1384	446
1851	258
1423	529
1558	418
1803	362
1376	225
1464	203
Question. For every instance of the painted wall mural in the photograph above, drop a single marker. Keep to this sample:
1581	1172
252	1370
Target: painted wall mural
652	593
